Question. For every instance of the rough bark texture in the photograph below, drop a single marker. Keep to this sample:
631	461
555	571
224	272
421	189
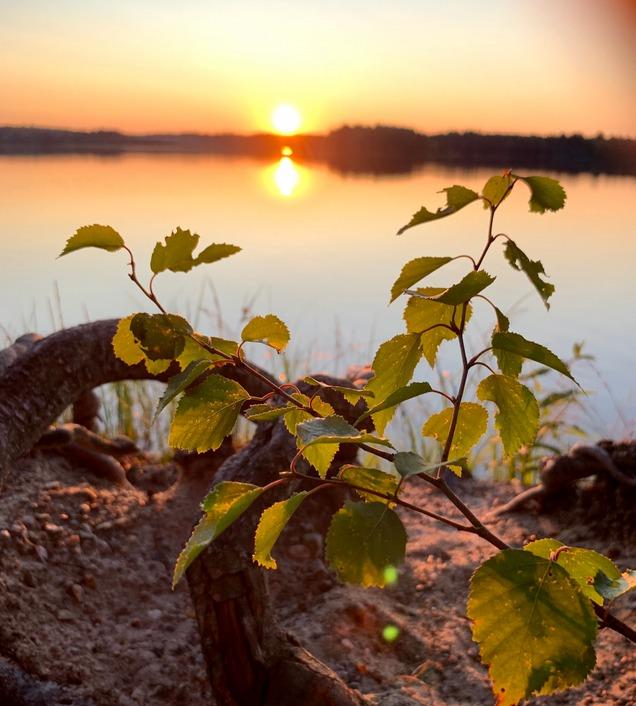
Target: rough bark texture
39	380
250	661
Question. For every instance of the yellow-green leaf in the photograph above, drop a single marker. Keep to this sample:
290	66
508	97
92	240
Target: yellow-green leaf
456	198
473	283
160	336
414	271
534	627
431	319
546	194
518	417
271	524
497	189
472	422
226	502
205	416
267	329
195	350
370	479
95	236
127	349
363	540
180	382
583	565
533	269
516	344
351	394
176	253
393	367
402	394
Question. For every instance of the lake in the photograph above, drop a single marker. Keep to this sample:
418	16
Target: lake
320	250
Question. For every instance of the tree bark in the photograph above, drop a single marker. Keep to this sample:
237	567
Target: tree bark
250	661
48	375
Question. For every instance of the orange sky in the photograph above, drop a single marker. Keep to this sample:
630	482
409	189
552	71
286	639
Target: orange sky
525	66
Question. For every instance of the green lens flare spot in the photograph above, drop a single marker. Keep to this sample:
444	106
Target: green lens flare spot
390	575
390	633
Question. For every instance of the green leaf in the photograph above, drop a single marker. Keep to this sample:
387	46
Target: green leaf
533	269
414	271
321	456
222	506
503	322
207	415
583	565
534	627
517	420
267	413
456	198
267	329
160	336
363	540
422	314
194	349
271	524
351	394
517	345
546	194
393	367
496	189
127	349
472	422
612	589
413	389
180	382
215	252
371	479
409	464
473	283
334	429
95	236
176	254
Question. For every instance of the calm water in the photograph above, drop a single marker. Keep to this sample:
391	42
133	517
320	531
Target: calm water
320	250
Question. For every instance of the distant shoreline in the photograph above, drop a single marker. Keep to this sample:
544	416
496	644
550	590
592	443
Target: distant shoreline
350	150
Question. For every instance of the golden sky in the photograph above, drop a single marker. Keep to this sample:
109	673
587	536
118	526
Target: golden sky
523	66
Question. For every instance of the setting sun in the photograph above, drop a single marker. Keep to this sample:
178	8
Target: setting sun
286	119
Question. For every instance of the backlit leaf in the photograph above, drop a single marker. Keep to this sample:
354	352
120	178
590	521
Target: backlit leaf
533	269
472	422
517	420
180	382
414	271
321	456
409	464
196	350
413	389
473	283
215	252
456	198
519	346
371	479
127	349
431	319
363	540
393	367
176	254
351	394
267	413
583	565
271	524
534	627
207	415
267	329
95	236
160	336
334	429
496	189
546	194
222	506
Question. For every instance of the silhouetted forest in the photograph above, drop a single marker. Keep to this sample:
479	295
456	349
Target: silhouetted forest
353	149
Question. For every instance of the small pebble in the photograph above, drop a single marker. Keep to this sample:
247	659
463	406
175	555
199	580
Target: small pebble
76	591
73	540
154	614
41	552
53	529
65	615
85	508
5	535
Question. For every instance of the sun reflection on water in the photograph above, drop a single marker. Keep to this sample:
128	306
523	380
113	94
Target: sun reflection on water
286	176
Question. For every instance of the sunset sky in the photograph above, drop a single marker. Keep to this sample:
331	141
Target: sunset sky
523	66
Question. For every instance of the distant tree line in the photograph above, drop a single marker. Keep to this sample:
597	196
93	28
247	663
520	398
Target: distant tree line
353	149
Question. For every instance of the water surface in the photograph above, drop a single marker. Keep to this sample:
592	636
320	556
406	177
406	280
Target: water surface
320	250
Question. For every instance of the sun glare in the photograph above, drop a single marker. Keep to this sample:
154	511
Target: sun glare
286	119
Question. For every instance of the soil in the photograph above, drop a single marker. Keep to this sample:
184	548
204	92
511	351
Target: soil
86	604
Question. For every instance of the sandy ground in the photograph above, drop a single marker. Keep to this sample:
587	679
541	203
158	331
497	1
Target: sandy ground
85	598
